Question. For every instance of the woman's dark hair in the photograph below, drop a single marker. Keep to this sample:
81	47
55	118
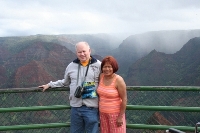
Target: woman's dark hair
112	61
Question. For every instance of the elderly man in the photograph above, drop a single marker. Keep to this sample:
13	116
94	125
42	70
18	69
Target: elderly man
83	72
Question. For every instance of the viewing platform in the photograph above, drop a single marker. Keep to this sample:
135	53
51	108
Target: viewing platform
150	109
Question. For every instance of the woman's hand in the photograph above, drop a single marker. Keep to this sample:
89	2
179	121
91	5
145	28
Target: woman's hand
120	121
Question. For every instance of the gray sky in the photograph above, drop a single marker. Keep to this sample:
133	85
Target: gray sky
52	17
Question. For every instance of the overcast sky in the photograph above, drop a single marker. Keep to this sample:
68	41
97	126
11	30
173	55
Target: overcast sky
52	17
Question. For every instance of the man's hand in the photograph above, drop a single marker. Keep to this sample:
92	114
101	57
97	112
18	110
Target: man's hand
45	87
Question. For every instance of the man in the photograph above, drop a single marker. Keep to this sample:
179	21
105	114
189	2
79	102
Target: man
83	71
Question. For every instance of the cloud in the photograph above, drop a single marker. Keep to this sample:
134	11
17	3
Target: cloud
26	17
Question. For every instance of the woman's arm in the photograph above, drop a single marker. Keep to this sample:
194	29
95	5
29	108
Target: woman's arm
121	86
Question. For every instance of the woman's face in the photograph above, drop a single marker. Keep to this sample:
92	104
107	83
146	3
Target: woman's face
107	69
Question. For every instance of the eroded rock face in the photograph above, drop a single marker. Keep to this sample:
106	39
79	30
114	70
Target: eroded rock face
36	64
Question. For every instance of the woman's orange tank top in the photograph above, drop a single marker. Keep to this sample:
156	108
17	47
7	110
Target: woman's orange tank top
109	99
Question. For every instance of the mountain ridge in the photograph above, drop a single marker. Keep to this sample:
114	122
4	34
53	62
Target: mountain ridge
51	54
157	68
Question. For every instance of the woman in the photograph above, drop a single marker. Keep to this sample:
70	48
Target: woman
112	98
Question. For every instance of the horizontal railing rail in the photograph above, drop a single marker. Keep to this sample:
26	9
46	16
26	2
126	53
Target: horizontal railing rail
32	89
163	88
133	88
128	107
34	126
34	108
163	108
159	127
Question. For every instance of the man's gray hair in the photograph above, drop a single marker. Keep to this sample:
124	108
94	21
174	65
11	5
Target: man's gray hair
82	43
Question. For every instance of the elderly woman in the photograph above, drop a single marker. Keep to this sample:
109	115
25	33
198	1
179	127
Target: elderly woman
112	98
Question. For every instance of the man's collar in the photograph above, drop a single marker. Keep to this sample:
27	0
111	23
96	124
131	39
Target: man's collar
93	60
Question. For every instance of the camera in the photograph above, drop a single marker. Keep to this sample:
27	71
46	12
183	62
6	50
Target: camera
78	92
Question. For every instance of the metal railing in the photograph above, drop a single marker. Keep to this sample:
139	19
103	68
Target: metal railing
150	109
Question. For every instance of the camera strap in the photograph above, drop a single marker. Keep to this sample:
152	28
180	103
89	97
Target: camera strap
79	65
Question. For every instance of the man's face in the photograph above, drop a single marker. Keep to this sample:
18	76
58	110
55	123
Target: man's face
83	52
